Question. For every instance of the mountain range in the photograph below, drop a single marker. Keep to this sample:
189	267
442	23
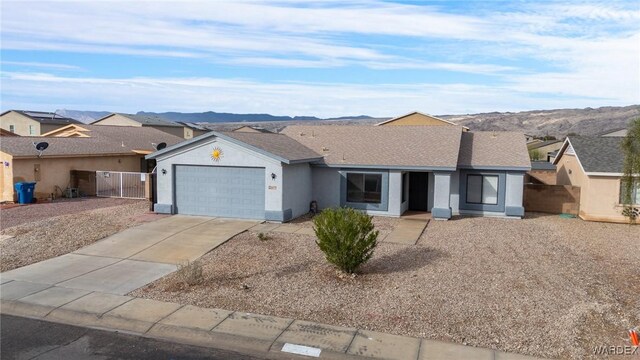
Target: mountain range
558	122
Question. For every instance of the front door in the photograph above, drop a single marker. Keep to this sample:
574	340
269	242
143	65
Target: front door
418	191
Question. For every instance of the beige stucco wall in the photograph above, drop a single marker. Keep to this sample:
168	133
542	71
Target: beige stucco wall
6	177
416	119
599	195
21	124
56	171
177	131
118	120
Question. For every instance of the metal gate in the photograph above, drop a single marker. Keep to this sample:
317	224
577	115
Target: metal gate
130	185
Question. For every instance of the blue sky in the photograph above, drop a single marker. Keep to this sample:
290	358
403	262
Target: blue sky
323	58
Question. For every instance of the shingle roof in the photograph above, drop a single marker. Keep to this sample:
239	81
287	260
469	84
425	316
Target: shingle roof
44	117
494	149
542	165
150	120
599	154
192	126
385	146
276	144
103	140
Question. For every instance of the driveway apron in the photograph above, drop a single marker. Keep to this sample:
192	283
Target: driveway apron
133	258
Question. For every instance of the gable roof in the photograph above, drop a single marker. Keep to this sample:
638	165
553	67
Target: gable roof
46	118
277	146
425	147
494	150
102	140
192	126
247	128
446	122
148	120
596	154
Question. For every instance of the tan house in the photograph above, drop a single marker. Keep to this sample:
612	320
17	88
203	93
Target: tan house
152	121
192	129
86	147
595	165
418	118
544	148
32	123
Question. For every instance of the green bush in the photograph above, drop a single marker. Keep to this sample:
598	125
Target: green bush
346	237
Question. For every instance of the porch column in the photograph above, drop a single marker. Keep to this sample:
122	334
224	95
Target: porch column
513	195
441	196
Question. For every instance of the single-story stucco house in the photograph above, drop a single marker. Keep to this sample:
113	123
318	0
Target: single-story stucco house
144	120
75	147
595	164
384	170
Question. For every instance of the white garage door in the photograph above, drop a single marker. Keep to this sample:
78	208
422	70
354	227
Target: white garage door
234	192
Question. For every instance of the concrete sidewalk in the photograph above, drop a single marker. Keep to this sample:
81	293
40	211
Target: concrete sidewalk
133	258
264	336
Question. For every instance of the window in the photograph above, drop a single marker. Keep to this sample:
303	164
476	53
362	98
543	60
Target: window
12	128
635	192
482	189
32	130
364	188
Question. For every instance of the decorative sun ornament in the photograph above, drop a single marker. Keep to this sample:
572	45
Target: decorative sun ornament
216	154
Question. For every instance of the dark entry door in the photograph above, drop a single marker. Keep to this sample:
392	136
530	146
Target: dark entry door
418	191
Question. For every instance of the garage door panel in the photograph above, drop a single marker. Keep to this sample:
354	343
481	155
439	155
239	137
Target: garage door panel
220	191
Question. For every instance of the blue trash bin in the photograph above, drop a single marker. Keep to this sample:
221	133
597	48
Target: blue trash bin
25	192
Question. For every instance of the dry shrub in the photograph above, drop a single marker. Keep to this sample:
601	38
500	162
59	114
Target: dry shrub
190	273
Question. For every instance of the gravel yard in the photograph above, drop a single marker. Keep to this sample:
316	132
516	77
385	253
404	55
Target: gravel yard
15	216
543	286
51	234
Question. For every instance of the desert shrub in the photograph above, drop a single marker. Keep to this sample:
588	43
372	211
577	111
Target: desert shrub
263	237
190	273
346	237
535	155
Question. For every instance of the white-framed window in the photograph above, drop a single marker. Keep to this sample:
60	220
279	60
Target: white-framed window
482	189
32	130
12	128
635	192
364	188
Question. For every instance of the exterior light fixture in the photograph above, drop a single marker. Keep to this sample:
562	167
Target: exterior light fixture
164	171
273	176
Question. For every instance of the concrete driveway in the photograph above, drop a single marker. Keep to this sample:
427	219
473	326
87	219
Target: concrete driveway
133	258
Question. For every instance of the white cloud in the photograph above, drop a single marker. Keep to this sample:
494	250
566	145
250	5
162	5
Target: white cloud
34	64
287	98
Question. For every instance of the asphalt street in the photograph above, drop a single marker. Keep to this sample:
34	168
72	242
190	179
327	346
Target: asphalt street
22	338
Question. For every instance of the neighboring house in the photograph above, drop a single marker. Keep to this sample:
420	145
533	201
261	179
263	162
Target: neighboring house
418	118
156	122
544	148
595	164
32	123
110	148
252	129
542	172
615	133
192	129
384	170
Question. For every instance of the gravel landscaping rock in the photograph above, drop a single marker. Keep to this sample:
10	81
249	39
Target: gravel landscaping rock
58	235
543	286
16	215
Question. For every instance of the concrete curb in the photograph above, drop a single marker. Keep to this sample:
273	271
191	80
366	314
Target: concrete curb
252	334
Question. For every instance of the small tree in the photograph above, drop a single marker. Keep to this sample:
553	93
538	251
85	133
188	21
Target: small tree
535	154
631	170
346	237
